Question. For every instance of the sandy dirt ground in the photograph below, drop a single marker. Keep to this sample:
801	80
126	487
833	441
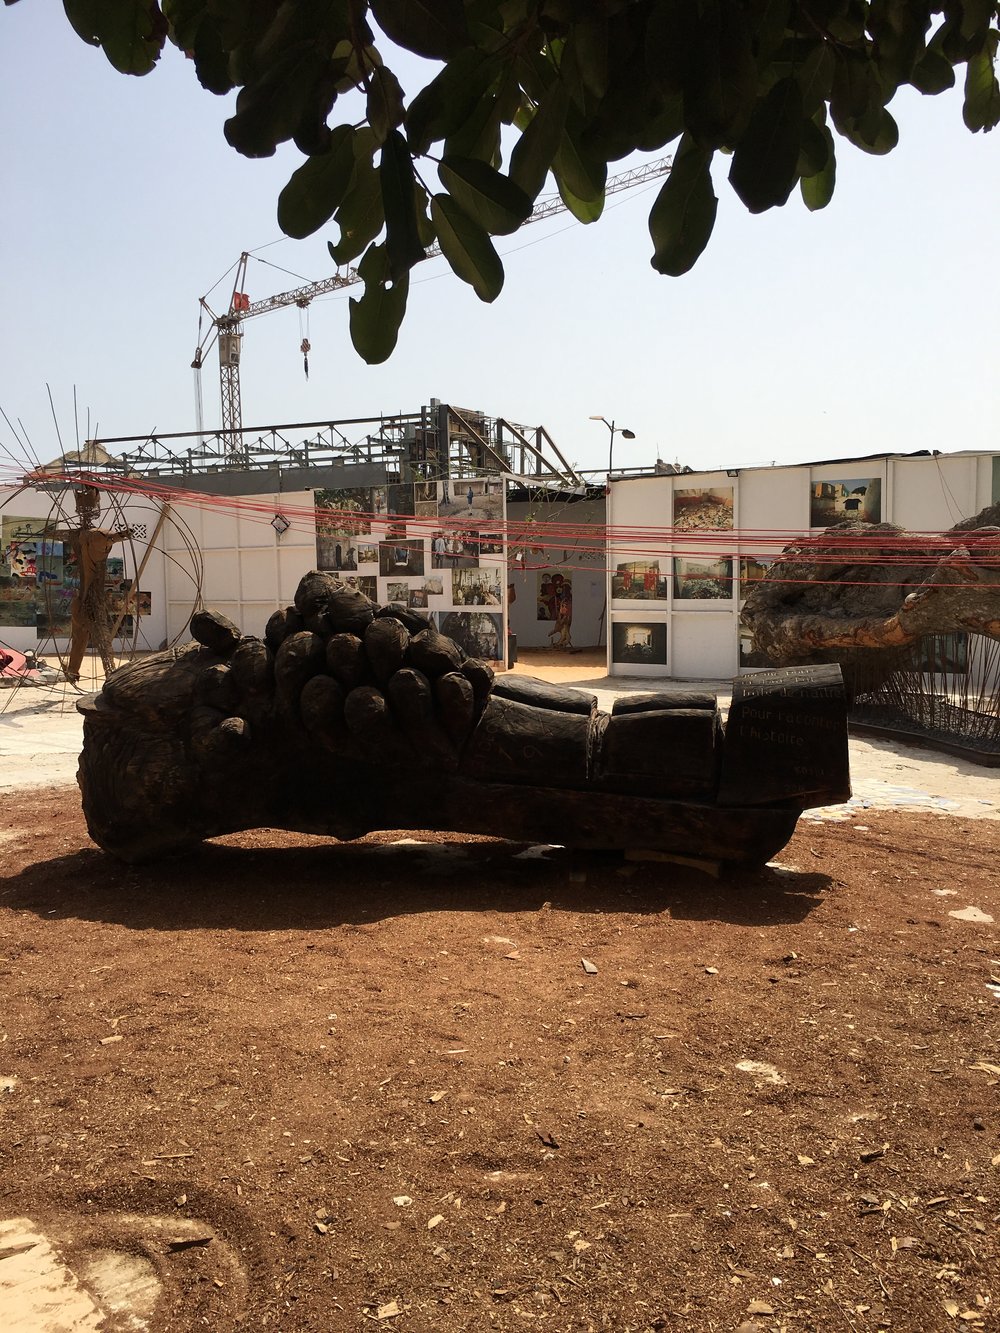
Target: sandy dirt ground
432	1082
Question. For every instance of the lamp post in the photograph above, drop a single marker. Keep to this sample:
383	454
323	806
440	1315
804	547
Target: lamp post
625	434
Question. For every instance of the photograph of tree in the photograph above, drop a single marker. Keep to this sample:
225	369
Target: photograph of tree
348	510
400	498
702	580
640	581
639	643
833	501
476	587
479	633
705	509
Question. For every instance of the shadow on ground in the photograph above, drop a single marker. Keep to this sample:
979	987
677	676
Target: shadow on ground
324	884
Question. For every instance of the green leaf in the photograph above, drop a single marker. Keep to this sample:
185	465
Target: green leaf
270	110
671	38
446	104
981	109
385	102
765	159
584	210
932	74
484	195
720	79
682	218
583	174
479	137
769	20
535	150
467	248
432	28
132	32
817	189
398	200
317	189
880	138
977	16
815	77
375	318
590	47
814	149
361	216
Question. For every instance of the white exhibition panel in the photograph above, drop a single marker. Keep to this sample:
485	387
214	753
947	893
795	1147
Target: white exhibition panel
294	562
221	580
928	494
770	507
247	565
773	498
678	550
255	616
258	570
57	508
254	527
219	526
705	646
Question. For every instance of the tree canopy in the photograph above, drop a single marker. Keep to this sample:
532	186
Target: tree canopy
576	85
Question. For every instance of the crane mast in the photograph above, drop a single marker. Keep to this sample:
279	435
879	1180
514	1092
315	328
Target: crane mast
227	329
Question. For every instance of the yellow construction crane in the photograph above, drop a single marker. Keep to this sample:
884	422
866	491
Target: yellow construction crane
227	329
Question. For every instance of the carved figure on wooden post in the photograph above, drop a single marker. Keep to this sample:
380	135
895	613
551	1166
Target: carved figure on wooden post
91	546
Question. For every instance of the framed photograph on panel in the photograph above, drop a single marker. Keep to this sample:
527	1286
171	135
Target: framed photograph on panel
702	580
479	633
833	501
401	557
639	643
639	581
703	509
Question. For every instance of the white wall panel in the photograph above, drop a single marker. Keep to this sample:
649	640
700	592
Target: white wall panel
254	528
773	499
220	529
704	646
258	575
221	582
293	563
930	494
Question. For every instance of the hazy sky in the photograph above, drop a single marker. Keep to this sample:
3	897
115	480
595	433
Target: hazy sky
868	327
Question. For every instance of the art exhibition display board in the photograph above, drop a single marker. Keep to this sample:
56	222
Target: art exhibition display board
433	547
40	576
683	549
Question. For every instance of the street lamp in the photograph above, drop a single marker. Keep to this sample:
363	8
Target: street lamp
625	434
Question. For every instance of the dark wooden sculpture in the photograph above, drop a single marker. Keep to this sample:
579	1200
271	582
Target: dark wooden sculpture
350	717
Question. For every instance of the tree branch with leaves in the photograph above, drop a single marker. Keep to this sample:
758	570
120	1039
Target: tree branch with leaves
525	88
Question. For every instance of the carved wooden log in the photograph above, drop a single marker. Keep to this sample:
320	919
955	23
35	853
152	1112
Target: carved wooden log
350	717
858	593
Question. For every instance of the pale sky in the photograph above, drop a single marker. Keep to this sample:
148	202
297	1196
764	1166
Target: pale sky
869	327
